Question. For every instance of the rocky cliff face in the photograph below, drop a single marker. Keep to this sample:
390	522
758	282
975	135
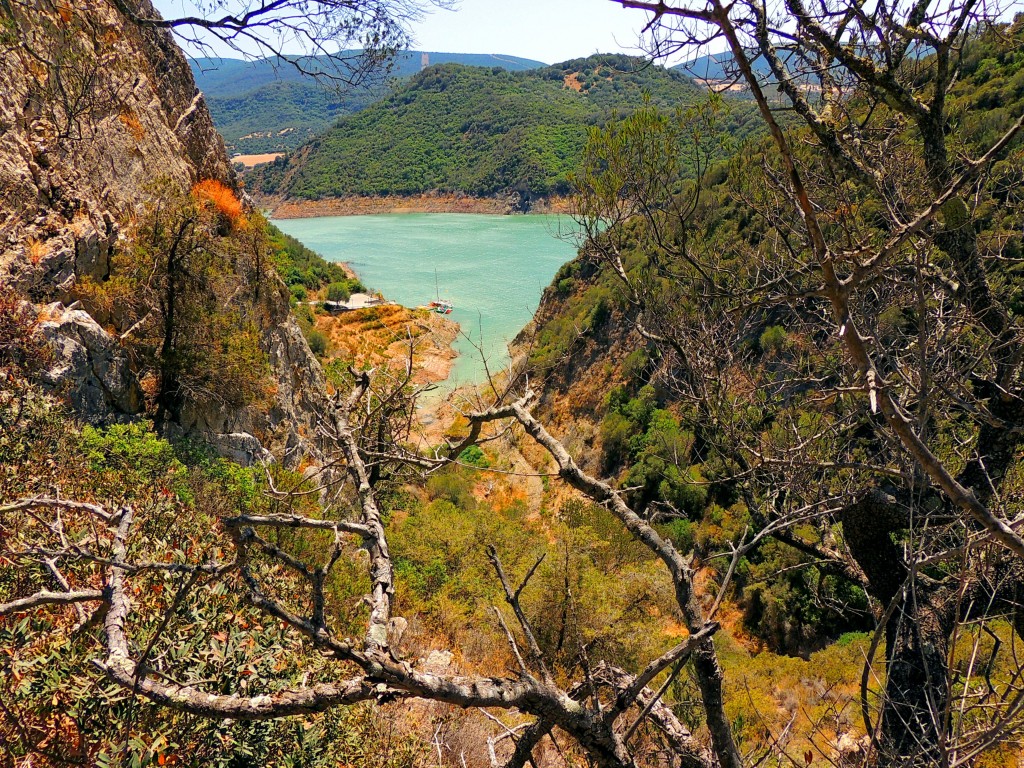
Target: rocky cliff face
95	112
90	368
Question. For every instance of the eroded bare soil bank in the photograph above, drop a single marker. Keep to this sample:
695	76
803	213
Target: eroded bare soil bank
426	203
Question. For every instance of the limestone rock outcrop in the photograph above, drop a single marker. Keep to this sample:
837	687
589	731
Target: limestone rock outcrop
95	111
89	368
98	115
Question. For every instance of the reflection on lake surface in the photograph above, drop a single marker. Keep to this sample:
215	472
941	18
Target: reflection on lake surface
492	268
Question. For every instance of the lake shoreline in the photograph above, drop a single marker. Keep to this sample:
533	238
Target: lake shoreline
493	268
284	208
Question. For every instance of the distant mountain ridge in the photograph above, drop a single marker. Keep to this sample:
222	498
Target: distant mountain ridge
716	67
269	106
720	68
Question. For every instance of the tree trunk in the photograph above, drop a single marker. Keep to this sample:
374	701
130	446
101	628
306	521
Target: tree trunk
914	721
917	634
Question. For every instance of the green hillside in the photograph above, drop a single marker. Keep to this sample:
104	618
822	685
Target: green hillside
712	297
269	106
479	131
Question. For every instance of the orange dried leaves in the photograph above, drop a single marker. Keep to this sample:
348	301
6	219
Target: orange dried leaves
221	197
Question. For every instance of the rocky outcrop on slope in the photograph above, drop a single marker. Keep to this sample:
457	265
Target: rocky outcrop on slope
95	110
98	114
89	367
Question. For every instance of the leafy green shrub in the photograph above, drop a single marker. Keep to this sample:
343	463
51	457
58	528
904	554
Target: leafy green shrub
623	428
680	531
338	292
636	363
304	316
599	313
475	456
794	608
773	339
616	431
574	512
318	342
132	452
426	579
453	486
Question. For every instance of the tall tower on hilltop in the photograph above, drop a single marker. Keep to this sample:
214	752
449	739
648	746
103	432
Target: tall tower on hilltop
424	60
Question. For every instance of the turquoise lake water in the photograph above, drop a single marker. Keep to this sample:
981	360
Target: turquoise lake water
493	268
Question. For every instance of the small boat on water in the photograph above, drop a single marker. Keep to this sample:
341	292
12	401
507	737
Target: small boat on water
439	305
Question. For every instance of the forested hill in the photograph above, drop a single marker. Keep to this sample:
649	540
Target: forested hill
270	106
479	131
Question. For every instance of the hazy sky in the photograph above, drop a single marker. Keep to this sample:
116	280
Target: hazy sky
547	30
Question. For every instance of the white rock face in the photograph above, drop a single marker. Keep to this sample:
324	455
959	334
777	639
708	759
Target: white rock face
90	369
240	447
